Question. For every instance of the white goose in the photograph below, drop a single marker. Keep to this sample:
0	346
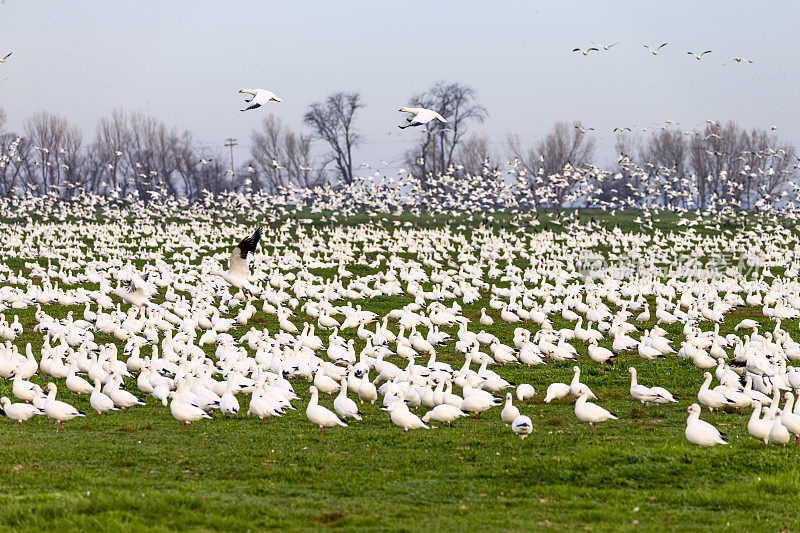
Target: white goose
444	413
510	411
759	427
185	412
648	394
239	262
403	418
58	410
319	415
18	411
576	388
420	116
591	413
522	426
701	432
99	401
344	406
260	97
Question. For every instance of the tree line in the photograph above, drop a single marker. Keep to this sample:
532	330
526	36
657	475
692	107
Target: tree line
133	153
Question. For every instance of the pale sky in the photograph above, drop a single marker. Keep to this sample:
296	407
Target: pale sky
184	61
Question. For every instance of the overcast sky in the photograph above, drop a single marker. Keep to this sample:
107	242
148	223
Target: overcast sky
184	61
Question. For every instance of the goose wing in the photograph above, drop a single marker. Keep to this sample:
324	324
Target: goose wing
238	261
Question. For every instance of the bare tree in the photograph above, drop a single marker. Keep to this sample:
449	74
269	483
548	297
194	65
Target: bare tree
57	145
332	122
474	155
459	105
566	144
281	157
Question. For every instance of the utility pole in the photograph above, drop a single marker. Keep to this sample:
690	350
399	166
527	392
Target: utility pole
230	143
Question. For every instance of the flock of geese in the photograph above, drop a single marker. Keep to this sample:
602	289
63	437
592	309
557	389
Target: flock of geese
655	50
134	314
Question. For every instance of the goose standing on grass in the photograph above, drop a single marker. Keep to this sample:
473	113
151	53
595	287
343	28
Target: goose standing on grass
319	415
58	410
522	426
758	427
99	401
791	419
648	394
239	263
260	97
444	413
344	406
712	398
556	391
525	391
591	413
510	411
576	388
779	434
185	412
403	418
701	432
420	116
18	411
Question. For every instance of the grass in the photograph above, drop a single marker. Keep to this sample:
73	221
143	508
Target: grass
140	470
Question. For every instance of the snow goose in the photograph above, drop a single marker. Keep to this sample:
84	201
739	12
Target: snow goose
366	390
510	411
319	415
239	263
556	391
791	419
444	413
403	418
260	97
591	413
598	354
344	406
701	432
185	412
477	401
525	391
576	388
228	404
711	398
522	426
18	411
120	397
420	116
779	434
58	410
759	427
99	401
648	394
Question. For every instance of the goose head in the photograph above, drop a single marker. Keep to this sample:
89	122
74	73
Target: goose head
248	91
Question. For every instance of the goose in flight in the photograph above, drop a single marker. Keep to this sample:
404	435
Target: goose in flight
738	60
5	58
700	55
260	97
136	291
583	130
420	116
608	47
622	129
239	262
655	52
586	52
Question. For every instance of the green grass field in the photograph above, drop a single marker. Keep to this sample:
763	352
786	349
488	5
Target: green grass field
141	470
